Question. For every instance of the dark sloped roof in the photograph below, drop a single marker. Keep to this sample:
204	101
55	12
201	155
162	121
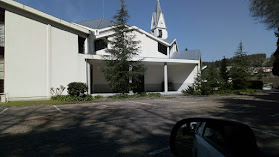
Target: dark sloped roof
169	40
97	23
191	55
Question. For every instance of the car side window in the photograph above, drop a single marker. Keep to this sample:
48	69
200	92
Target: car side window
200	128
214	134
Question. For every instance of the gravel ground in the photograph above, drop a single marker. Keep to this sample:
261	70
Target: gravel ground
139	127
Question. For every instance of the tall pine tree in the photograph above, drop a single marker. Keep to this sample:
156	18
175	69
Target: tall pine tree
223	70
224	81
120	71
275	69
240	73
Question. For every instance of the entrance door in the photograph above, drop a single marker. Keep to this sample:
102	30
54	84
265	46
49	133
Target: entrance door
140	88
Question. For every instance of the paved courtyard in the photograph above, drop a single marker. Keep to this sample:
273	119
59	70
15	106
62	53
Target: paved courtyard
139	127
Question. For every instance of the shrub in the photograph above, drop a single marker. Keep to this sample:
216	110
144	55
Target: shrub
189	91
98	97
154	95
57	91
77	89
140	95
69	98
256	84
120	96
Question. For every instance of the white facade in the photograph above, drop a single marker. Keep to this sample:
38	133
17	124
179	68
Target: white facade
39	54
42	51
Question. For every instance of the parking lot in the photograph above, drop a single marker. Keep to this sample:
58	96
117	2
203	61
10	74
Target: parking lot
138	127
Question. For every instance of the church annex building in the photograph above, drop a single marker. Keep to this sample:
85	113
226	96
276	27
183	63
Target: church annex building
40	51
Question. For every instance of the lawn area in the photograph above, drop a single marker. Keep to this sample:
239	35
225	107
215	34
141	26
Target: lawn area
19	103
64	99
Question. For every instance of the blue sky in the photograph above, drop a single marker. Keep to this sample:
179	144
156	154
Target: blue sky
214	26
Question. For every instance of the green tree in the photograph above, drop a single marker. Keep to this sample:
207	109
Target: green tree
224	75
199	87
240	73
223	70
267	11
123	74
212	77
275	69
205	83
260	74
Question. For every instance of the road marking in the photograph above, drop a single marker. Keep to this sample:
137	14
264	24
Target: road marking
265	132
159	151
4	110
58	109
142	103
275	115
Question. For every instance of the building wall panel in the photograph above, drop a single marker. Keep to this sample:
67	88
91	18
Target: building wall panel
66	64
25	57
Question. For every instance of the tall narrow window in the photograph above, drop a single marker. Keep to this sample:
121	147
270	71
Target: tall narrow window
100	44
2	49
2	27
163	49
160	33
81	42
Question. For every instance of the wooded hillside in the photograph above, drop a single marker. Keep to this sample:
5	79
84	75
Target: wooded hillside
254	60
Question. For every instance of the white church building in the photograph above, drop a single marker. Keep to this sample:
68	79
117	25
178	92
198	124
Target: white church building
40	51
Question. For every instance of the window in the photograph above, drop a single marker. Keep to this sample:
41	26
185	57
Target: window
2	27
81	42
214	134
2	63
2	44
160	33
200	128
2	15
100	44
163	49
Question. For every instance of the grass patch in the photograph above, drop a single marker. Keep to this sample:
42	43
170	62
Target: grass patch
20	103
191	91
141	95
98	97
62	99
240	91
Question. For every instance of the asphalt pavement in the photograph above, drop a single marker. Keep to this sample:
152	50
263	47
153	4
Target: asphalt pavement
134	127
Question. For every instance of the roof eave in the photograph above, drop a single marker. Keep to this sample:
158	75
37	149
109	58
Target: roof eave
17	5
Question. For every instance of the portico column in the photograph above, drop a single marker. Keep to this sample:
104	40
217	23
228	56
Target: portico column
165	77
88	80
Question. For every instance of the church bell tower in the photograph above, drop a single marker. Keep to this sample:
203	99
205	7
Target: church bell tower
158	24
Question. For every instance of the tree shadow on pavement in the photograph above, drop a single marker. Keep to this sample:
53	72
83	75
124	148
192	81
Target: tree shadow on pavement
86	131
257	111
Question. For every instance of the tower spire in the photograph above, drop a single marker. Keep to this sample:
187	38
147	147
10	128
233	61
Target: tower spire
158	7
158	25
